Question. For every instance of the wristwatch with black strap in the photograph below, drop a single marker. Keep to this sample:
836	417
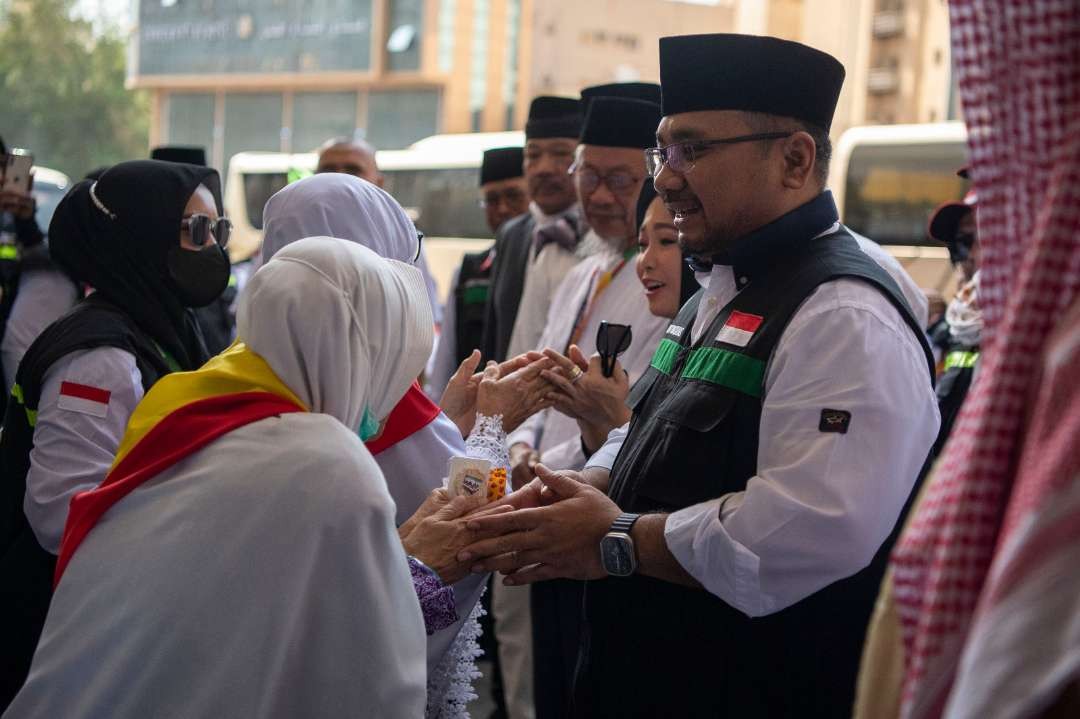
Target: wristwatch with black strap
617	553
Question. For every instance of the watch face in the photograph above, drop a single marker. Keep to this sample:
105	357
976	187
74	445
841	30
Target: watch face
617	554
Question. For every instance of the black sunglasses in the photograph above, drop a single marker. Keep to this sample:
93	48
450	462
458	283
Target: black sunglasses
200	227
419	245
611	341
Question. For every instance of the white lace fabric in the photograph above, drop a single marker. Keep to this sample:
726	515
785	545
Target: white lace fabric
450	685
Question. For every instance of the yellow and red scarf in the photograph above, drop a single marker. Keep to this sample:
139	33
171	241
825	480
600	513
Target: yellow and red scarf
180	415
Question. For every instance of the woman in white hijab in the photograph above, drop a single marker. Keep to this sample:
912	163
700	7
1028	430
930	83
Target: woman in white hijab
241	558
418	439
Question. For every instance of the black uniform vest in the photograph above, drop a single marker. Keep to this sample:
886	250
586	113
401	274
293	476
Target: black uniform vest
652	648
26	570
953	386
470	304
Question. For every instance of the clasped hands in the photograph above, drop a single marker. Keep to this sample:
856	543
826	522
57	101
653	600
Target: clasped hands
549	529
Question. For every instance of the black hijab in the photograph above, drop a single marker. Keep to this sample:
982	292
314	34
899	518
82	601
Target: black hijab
687	282
115	235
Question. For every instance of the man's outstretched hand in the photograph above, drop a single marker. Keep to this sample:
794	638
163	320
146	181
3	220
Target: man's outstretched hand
537	543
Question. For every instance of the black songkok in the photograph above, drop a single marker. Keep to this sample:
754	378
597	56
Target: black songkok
179	153
501	163
749	73
553	117
647	91
619	122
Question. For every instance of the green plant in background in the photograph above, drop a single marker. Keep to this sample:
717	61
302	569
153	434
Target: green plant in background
62	93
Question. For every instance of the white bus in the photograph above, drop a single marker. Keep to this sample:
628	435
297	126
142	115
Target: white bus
435	180
887	180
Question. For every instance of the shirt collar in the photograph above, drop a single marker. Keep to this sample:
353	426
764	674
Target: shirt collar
761	247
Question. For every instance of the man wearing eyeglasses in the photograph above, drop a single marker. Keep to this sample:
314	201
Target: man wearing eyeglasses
503	196
737	541
554	218
608	174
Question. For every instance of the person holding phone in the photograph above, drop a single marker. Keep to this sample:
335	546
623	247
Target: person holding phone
33	291
148	237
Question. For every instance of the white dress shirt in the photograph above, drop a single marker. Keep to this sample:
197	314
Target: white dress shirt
74	448
554	434
821	504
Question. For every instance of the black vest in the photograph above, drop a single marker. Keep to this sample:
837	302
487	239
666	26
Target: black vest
26	570
470	304
513	244
953	386
652	648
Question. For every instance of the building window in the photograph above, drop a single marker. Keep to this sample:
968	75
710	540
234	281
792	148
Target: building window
479	59
403	38
447	11
319	116
396	119
252	122
191	121
510	77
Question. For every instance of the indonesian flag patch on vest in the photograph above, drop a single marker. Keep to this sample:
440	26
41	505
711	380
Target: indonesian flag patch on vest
84	399
739	328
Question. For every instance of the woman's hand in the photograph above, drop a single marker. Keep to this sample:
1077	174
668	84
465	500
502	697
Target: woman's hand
591	398
459	399
517	395
436	532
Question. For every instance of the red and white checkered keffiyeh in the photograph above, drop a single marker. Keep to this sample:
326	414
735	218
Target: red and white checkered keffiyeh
1018	65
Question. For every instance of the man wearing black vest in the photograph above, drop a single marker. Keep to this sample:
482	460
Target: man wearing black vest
551	135
736	542
504	196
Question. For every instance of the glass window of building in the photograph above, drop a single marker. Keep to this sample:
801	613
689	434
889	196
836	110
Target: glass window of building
319	116
252	122
191	120
403	36
396	119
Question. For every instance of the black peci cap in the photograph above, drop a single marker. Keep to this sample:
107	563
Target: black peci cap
621	122
179	153
749	73
647	91
501	163
553	117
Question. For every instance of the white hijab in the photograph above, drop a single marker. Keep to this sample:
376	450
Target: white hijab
338	205
343	328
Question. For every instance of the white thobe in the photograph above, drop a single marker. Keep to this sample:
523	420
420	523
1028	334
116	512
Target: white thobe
821	504
554	434
243	592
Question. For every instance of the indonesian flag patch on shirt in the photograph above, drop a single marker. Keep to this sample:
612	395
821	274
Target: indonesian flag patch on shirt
739	328
83	398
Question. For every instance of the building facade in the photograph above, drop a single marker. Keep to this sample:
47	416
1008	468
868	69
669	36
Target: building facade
284	75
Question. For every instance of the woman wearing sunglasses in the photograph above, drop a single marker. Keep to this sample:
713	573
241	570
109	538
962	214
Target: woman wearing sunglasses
594	391
148	238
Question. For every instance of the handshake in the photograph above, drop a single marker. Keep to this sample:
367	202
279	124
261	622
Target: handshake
550	528
522	386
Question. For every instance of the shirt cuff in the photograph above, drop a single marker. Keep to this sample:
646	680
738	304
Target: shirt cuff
436	599
698	540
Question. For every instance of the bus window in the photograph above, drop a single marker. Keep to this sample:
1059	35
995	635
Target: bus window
444	202
258	187
891	189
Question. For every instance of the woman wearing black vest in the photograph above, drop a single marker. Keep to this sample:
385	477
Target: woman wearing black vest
148	239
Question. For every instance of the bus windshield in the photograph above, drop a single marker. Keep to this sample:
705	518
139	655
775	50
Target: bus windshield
891	189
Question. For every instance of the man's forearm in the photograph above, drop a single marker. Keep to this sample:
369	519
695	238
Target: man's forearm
654	558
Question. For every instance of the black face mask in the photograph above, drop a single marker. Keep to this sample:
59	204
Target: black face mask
198	278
